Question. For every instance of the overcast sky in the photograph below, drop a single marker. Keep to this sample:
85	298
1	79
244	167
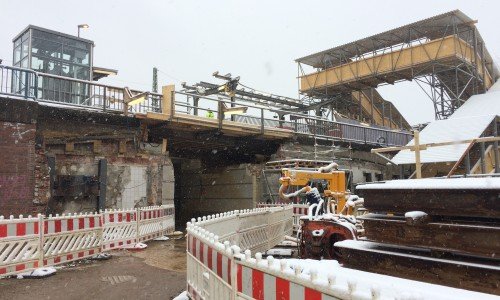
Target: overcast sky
257	40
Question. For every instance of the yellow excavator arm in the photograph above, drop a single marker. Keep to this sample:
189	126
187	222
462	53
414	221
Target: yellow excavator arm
336	181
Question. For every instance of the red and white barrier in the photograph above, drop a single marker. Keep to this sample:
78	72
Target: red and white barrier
68	238
218	270
30	243
119	228
299	210
20	245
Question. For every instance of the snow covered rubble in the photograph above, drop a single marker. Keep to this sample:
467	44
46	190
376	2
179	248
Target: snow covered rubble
472	183
366	285
345	283
37	273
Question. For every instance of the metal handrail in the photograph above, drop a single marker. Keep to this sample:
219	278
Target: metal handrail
283	111
108	97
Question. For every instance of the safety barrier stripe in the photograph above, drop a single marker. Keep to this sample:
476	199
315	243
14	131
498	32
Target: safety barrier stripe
74	237
71	224
193	293
260	285
69	257
217	262
16	229
19	267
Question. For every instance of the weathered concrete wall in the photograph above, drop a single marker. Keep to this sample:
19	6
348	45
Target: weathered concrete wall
204	191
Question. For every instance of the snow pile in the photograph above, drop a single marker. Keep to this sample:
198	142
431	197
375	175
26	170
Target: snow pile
101	256
162	238
279	252
182	296
138	246
365	284
37	273
436	183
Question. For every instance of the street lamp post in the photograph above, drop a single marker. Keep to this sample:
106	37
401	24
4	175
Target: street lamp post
84	26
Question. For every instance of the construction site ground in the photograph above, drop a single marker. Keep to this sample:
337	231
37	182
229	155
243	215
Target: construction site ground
157	272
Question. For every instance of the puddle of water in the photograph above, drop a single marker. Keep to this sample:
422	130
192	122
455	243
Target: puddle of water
169	255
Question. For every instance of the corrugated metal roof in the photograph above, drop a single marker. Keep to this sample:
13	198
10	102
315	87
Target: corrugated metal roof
468	122
387	38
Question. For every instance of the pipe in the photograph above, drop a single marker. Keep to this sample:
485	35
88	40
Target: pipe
310	210
291	239
320	205
287	197
329	168
352	201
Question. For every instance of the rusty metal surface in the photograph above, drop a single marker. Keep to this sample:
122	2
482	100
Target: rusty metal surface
458	236
459	202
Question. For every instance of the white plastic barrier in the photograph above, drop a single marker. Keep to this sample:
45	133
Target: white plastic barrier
299	210
221	271
30	243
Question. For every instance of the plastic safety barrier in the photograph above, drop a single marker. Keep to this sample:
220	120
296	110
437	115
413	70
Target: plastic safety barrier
30	243
221	270
299	210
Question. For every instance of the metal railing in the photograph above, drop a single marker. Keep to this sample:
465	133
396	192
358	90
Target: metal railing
300	124
45	87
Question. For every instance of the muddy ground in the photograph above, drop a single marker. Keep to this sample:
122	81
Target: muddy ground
158	272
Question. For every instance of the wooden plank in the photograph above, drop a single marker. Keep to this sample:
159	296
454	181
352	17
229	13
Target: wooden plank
167	99
473	238
230	127
70	147
437	202
472	275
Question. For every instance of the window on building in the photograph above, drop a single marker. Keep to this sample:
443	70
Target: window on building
379	177
368	176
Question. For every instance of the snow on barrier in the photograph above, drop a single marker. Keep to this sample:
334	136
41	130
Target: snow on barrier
299	210
219	270
30	243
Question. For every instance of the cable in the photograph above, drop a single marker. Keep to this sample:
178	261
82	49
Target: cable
174	78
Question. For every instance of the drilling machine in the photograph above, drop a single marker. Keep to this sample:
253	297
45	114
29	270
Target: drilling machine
330	217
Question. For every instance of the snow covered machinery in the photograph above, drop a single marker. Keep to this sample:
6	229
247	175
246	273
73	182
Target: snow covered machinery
332	209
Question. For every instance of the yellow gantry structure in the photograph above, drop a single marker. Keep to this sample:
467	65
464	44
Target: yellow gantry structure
444	54
397	64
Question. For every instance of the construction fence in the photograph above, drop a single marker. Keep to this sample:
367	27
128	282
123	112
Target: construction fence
218	270
299	210
34	242
220	264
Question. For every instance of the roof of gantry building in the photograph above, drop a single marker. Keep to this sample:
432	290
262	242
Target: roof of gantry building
427	28
468	122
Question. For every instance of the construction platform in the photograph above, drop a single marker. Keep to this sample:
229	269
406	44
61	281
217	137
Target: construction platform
445	55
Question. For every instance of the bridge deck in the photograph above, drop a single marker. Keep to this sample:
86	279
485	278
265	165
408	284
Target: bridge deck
229	128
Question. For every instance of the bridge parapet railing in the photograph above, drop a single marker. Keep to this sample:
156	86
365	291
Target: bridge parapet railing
301	124
67	91
29	84
34	242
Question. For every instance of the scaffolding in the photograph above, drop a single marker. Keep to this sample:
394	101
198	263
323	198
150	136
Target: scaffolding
445	55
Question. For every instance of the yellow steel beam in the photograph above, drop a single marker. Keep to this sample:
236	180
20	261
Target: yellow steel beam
449	48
